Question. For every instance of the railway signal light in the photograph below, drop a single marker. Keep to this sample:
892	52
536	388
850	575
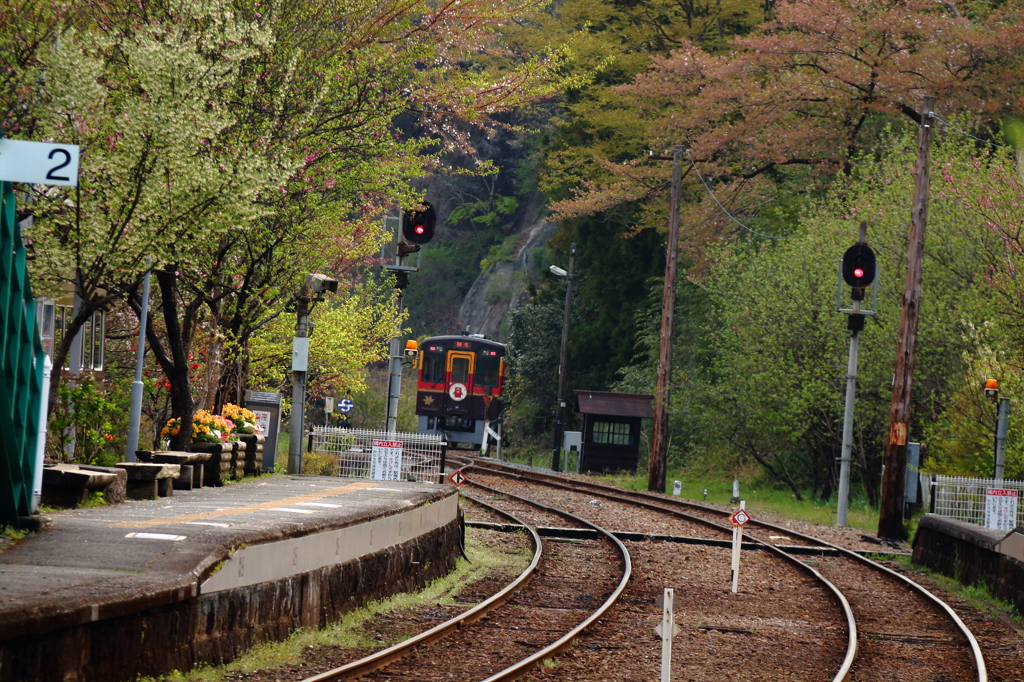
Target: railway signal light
418	226
859	266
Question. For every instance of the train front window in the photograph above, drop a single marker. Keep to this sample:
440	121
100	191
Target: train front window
460	369
487	368
433	366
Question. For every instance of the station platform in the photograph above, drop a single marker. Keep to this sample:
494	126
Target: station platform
147	587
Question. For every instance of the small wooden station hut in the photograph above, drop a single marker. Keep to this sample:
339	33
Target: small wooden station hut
611	429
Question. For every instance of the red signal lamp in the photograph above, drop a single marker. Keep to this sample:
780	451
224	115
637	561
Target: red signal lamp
418	226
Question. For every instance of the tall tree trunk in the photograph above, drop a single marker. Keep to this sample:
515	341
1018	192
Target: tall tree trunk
173	358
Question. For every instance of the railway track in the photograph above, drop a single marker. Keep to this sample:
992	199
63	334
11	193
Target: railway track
540	613
897	630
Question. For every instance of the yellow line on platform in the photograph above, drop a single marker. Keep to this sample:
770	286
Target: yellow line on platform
297	499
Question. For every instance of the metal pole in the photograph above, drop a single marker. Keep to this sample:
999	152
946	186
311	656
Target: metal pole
394	384
659	438
846	458
135	407
890	518
562	361
395	376
37	472
1001	425
298	389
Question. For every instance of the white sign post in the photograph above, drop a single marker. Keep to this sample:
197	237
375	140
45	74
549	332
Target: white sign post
386	460
38	163
1000	509
738	519
668	630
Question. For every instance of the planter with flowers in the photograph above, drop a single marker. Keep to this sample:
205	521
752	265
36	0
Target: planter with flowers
248	431
213	434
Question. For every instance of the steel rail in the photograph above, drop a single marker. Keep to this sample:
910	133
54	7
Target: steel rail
844	604
383	657
518	669
602	489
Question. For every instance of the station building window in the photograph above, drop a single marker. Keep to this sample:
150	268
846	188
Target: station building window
93	335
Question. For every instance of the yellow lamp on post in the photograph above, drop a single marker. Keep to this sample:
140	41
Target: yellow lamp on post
992	388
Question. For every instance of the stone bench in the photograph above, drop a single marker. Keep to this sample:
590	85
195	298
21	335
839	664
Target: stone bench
68	485
149	481
191	464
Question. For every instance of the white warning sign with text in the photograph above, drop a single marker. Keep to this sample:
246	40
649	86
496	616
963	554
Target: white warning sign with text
1000	509
386	460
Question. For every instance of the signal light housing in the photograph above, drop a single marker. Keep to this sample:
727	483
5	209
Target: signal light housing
859	266
418	226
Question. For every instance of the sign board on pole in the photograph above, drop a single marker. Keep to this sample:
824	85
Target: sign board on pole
667	630
39	163
739	517
386	460
458	478
1000	509
345	405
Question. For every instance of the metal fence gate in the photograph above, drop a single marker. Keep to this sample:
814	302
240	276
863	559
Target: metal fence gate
21	369
422	454
964	498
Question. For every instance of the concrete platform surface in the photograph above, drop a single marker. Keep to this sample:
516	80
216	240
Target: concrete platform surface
100	563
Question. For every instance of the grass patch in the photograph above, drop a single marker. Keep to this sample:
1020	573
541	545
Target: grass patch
349	631
759	496
977	595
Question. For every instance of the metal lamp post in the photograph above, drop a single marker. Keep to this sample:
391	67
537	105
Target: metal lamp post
1002	417
556	452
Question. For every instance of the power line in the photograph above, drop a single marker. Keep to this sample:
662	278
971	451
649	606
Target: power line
726	212
965	133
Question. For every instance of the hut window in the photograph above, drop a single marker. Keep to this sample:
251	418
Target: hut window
612	433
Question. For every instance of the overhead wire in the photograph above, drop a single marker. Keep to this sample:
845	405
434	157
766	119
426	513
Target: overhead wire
964	132
724	210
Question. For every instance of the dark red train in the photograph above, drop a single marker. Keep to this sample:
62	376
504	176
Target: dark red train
460	380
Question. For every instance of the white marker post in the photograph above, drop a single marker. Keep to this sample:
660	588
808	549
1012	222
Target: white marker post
668	630
738	519
677	488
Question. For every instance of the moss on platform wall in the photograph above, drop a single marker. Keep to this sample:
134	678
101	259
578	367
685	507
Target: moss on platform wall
217	628
967	553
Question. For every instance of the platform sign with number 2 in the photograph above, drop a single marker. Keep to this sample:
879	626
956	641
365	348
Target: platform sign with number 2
38	163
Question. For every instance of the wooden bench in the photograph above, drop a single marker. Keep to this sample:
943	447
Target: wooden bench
149	481
68	485
191	464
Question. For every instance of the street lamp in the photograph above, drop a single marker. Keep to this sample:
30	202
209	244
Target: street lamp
1002	417
555	270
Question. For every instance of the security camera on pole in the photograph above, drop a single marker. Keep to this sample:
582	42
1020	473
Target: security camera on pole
858	270
317	285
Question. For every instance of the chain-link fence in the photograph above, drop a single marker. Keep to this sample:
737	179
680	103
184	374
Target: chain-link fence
964	499
378	454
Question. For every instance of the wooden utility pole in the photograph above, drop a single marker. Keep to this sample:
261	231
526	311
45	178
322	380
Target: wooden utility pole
890	520
562	362
659	439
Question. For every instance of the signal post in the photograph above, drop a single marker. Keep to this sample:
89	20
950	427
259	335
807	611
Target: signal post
857	270
417	228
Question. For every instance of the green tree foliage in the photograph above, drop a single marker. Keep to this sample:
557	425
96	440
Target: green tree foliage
773	389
